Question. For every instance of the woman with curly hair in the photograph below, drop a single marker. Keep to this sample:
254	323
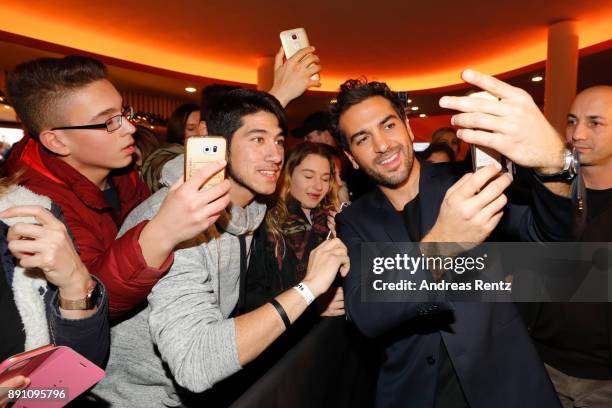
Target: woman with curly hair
299	219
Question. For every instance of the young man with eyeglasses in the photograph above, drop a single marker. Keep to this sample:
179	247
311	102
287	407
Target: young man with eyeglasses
78	152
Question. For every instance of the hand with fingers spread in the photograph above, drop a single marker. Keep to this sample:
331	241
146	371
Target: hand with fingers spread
186	212
47	245
472	207
512	125
323	265
331	303
292	77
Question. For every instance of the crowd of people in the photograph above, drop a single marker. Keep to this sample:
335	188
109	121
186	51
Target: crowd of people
173	289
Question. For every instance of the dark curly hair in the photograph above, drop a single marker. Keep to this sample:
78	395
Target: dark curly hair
354	91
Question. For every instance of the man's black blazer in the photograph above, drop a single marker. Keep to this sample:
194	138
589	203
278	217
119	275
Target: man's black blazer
488	344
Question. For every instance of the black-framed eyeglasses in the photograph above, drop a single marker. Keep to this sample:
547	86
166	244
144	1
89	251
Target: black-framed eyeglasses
110	125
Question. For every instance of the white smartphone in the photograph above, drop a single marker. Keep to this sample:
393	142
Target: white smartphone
293	41
484	156
201	150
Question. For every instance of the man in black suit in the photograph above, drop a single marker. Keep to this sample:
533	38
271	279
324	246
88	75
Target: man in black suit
449	354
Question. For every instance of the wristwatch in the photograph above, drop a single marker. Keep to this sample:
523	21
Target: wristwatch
571	164
87	303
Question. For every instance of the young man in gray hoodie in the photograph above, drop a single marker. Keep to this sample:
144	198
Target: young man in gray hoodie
184	341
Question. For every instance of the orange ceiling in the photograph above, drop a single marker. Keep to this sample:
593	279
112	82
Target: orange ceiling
412	45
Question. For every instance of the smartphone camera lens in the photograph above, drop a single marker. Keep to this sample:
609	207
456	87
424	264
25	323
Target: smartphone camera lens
294	37
207	149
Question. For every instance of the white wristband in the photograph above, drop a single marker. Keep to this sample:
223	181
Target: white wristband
305	292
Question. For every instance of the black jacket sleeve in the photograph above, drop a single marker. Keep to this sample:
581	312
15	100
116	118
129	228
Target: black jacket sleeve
374	319
89	337
548	218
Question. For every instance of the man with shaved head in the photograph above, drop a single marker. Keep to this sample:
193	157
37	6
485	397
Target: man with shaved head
589	129
575	339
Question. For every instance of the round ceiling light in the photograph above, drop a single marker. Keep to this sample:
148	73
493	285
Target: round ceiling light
537	78
190	89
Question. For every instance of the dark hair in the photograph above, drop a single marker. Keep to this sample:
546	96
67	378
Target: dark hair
210	95
226	117
437	147
177	122
354	91
35	88
146	140
438	133
337	154
315	121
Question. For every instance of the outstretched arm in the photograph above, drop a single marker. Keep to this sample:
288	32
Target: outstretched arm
512	125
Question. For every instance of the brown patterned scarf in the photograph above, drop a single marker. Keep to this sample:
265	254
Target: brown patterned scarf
297	230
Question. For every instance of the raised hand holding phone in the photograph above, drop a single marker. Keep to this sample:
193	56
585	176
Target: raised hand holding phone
471	209
187	211
294	41
295	75
512	124
202	150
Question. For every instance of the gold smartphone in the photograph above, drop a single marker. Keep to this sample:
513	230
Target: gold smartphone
201	150
293	41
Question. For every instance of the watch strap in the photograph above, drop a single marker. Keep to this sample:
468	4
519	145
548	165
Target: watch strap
569	170
86	303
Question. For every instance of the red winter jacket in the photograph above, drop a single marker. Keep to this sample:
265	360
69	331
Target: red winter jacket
118	263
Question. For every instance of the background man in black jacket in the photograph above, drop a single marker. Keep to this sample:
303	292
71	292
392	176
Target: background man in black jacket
575	339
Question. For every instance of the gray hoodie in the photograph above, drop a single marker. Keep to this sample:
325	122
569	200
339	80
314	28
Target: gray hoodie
182	341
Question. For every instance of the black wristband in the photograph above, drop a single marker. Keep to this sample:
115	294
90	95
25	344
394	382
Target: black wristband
281	312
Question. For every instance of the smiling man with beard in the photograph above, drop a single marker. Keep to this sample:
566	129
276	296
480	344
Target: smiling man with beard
185	341
448	354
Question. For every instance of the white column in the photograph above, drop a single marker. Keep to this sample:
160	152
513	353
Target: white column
561	72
